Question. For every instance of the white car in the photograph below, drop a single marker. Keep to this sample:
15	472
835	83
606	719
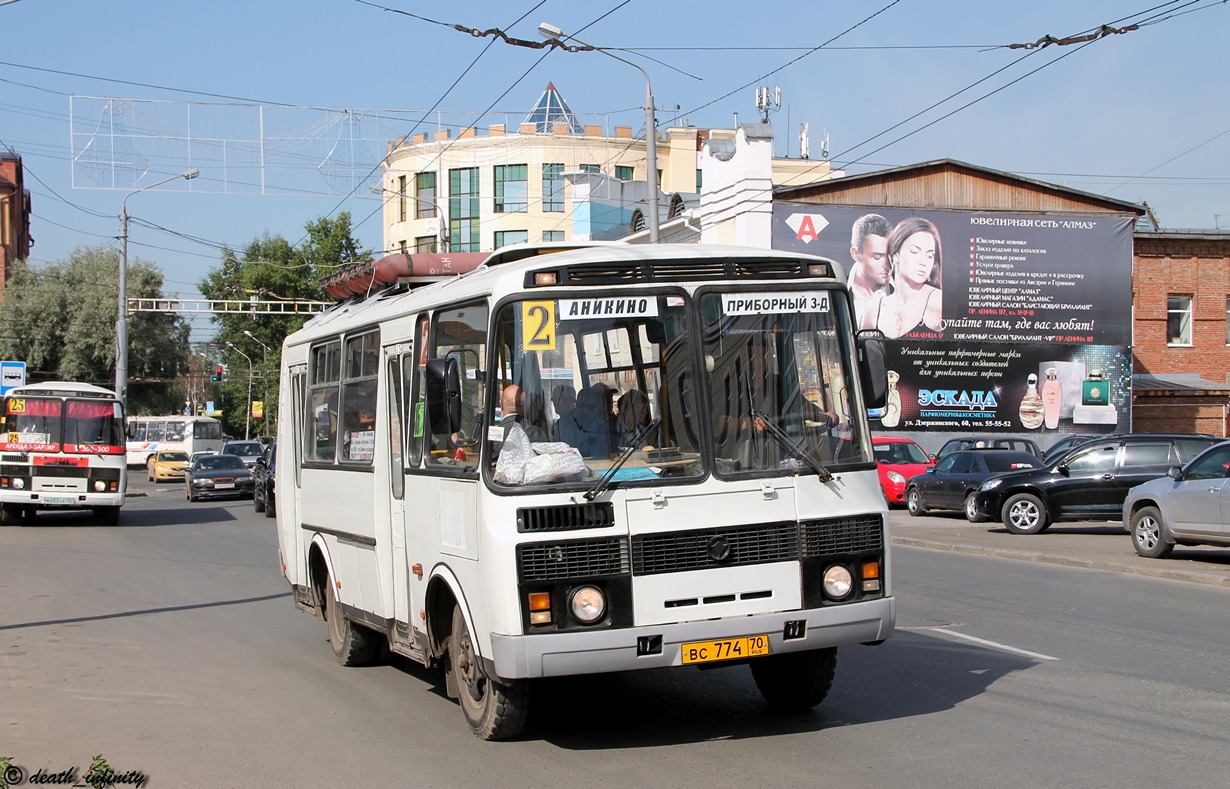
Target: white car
1188	506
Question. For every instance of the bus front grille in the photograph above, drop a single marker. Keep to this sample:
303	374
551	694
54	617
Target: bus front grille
556	561
673	552
591	515
854	534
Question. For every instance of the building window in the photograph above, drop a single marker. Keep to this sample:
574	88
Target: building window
1178	320
425	244
624	172
553	235
401	198
699	180
504	238
425	195
463	209
511	189
403	248
591	168
553	187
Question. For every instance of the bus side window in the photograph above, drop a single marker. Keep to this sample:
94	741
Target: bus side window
413	390
322	403
459	333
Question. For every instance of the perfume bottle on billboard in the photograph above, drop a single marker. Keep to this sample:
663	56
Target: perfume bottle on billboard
1052	399
892	403
1031	404
1095	407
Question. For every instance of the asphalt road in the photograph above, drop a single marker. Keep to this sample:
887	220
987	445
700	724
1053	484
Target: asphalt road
169	645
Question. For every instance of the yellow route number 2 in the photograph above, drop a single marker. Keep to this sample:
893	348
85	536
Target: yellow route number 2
538	325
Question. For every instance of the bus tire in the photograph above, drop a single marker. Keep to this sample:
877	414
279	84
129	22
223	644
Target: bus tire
12	515
494	710
795	681
108	515
353	645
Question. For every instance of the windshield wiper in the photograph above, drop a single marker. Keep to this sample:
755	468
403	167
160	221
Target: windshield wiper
609	474
792	446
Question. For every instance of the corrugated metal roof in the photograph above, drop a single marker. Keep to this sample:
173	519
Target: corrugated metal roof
1179	382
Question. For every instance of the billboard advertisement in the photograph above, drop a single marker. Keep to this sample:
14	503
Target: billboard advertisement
997	322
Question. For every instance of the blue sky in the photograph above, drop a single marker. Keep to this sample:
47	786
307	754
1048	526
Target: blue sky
1135	116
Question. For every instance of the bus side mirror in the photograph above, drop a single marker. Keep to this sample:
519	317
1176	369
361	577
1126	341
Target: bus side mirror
872	371
444	395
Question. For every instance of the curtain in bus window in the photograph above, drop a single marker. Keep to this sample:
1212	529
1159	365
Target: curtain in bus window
92	424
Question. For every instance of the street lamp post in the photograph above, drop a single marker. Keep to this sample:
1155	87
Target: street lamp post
247	416
264	376
651	125
121	319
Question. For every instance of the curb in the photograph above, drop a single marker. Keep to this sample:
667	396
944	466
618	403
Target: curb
1161	572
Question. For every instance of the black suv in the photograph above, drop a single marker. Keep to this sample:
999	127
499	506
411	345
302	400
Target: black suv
263	478
989	442
1088	482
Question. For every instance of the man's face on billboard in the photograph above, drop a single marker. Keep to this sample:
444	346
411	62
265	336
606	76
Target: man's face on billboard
873	259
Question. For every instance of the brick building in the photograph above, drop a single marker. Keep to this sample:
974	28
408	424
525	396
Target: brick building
14	215
1181	306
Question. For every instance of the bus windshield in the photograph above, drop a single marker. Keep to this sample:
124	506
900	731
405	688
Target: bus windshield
779	366
580	382
45	423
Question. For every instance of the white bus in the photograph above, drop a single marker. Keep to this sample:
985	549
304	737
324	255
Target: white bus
469	480
61	447
150	434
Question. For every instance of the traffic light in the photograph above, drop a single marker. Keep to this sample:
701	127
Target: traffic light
217	376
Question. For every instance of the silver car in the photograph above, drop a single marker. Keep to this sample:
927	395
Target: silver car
1188	506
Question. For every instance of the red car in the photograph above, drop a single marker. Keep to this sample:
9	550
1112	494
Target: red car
898	459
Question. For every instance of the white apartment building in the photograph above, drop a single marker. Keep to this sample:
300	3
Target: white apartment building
553	178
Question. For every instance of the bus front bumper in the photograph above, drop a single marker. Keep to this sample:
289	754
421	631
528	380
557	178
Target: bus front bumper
68	499
660	646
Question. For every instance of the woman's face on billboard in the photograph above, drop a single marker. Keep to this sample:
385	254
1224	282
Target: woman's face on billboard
917	257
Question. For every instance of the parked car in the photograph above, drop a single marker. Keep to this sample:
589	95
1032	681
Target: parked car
248	451
989	442
166	464
263	478
956	476
1090	482
218	476
897	460
1188	506
1068	442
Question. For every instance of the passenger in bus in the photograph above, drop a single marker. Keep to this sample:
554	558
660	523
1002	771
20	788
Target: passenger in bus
588	427
512	413
563	400
633	415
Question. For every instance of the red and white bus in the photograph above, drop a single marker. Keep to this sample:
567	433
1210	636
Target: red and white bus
61	447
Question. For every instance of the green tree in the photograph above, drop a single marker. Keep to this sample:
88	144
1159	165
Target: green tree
60	320
269	269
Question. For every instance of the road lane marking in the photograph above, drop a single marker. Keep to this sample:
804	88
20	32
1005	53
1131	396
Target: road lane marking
992	644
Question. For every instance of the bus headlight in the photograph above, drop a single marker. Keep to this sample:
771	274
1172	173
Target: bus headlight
100	486
837	582
19	482
588	604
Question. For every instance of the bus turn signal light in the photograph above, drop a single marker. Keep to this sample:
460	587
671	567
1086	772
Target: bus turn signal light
540	608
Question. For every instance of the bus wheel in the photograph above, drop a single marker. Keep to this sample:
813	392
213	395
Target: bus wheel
108	515
12	515
353	645
494	710
795	681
